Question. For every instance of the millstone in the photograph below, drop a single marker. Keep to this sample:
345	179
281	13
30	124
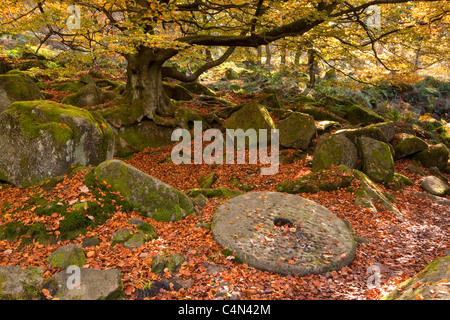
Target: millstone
283	233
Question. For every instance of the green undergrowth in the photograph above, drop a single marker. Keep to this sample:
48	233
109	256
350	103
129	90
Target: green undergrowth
76	218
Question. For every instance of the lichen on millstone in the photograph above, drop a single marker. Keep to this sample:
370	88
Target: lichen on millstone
314	241
160	201
40	140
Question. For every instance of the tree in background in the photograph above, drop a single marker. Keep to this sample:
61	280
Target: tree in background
150	33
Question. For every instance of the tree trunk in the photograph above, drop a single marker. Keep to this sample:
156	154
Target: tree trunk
283	55
268	58
297	57
311	68
258	56
144	87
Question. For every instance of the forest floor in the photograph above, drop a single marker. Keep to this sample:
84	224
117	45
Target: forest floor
400	247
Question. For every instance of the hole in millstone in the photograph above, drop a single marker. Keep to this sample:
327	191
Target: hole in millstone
282	222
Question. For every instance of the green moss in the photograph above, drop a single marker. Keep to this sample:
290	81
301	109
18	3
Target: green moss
63	258
122	113
207	181
325	180
71	87
148	230
220	192
37	116
20	87
237	183
434	156
360	115
399	182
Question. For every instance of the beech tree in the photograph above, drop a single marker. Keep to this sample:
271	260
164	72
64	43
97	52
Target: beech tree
149	33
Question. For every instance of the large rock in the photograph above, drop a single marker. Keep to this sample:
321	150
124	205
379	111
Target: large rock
377	161
334	149
161	201
15	87
137	137
429	284
435	156
388	128
89	95
407	144
42	139
66	256
435	186
251	116
368	195
17	283
283	233
360	115
297	130
92	285
370	131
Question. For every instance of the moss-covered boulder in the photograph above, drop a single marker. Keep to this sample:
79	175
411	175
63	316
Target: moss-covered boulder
377	160
134	238
359	115
407	144
434	156
89	95
71	87
399	181
207	181
429	284
171	261
297	130
334	149
139	136
369	195
271	101
370	131
16	87
388	128
66	256
320	113
42	139
153	197
324	180
21	283
251	116
92	285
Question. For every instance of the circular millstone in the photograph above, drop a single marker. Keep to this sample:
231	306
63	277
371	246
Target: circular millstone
283	233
